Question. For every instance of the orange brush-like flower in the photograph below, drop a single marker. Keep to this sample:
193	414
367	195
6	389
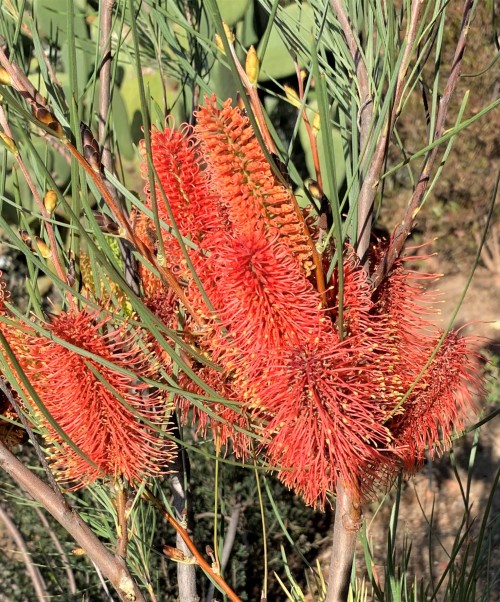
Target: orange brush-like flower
437	402
243	183
262	299
113	418
325	414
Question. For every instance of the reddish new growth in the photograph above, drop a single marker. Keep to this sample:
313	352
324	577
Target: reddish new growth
112	417
352	405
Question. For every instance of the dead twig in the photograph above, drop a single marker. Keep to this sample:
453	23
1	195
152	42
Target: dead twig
60	549
39	586
403	230
192	548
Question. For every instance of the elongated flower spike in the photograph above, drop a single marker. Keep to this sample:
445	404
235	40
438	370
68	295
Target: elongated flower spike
113	418
327	424
439	402
247	188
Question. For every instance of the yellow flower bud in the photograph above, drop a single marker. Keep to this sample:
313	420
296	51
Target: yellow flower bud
316	124
5	78
43	248
229	34
252	66
9	143
50	200
218	43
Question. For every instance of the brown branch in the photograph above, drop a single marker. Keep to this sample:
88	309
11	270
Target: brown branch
403	230
192	548
229	539
112	568
345	530
34	573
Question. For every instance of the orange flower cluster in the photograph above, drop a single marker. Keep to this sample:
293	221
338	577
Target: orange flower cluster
353	406
328	402
99	417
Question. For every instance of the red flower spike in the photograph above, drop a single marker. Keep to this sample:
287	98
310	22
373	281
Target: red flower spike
330	411
184	185
243	182
327	420
435	409
262	299
114	435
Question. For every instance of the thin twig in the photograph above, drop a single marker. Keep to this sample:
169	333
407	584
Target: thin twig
403	230
229	540
193	549
372	177
112	568
60	550
34	573
105	21
105	27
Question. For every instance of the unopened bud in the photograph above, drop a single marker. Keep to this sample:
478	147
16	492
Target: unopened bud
91	150
49	120
5	78
50	201
229	34
314	189
25	236
9	143
292	96
43	248
252	66
218	43
174	553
